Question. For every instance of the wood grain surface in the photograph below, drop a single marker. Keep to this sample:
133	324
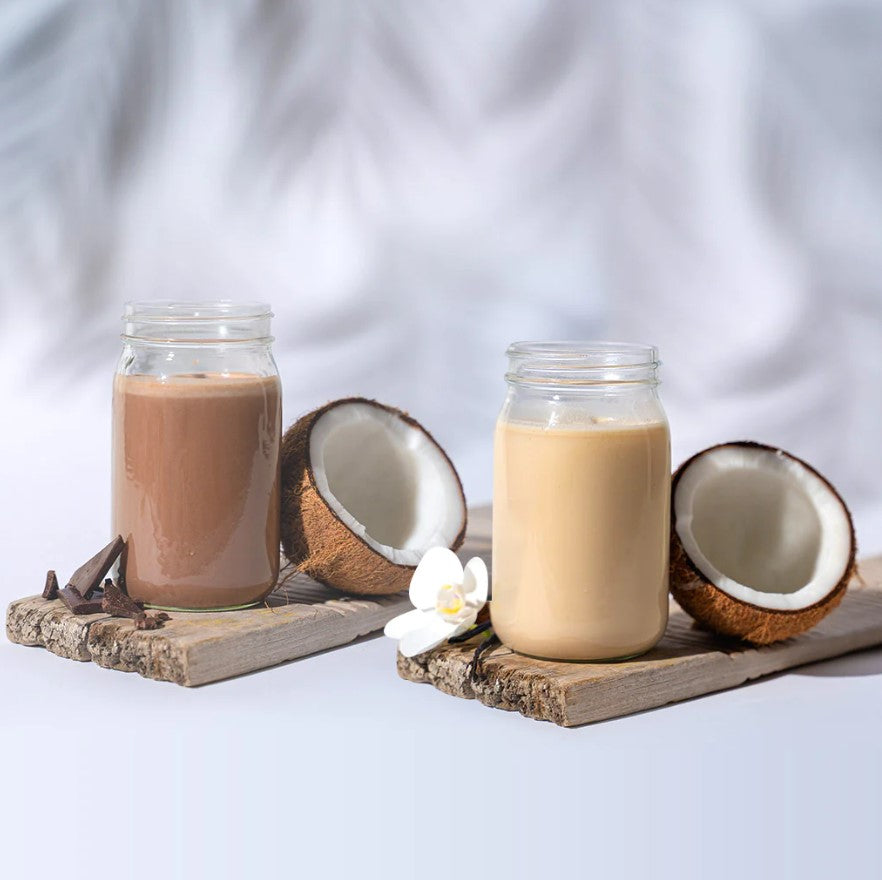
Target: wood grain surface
688	662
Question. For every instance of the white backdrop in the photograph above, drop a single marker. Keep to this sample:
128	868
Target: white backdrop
414	185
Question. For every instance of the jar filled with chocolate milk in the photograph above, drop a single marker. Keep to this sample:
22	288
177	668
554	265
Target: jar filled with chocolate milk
581	495
196	442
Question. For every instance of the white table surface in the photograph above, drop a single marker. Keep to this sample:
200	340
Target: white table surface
332	766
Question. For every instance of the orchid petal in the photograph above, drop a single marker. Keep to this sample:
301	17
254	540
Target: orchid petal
475	581
468	623
406	622
438	567
429	636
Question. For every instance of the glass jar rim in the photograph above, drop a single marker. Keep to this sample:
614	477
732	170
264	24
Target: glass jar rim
195	310
191	322
599	352
575	364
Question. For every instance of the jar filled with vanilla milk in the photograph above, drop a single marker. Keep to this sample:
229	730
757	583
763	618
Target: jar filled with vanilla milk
581	502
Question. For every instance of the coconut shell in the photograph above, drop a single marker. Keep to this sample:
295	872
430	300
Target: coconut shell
723	614
315	540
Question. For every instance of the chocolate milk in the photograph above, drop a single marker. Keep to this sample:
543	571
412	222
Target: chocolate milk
580	539
195	487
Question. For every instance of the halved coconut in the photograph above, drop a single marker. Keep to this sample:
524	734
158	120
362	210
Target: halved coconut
762	546
366	491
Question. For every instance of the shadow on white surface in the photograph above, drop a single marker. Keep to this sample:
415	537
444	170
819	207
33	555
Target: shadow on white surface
867	662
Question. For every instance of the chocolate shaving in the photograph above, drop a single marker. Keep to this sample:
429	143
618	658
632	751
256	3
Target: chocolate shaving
117	603
120	585
71	597
86	578
50	591
76	603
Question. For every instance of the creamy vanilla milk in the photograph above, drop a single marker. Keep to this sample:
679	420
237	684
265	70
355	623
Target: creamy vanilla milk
580	538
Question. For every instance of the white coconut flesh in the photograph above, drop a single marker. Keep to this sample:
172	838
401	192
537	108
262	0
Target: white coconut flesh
762	527
386	480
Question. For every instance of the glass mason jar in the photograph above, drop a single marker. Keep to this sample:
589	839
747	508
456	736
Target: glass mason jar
581	502
196	453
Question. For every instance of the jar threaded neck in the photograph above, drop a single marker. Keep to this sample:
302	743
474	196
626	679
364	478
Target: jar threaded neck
576	365
193	322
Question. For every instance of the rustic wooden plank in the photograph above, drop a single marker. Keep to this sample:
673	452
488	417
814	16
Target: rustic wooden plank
197	648
48	623
301	617
688	662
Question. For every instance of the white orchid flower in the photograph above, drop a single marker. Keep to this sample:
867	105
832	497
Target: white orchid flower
446	597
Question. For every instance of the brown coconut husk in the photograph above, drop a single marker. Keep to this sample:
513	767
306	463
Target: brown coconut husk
720	612
315	540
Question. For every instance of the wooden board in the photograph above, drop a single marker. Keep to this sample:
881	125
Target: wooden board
688	662
300	618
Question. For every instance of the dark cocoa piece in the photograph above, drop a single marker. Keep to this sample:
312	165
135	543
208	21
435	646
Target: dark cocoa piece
146	621
88	576
117	603
75	602
50	591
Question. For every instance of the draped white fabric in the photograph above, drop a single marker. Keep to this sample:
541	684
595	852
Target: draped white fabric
413	185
